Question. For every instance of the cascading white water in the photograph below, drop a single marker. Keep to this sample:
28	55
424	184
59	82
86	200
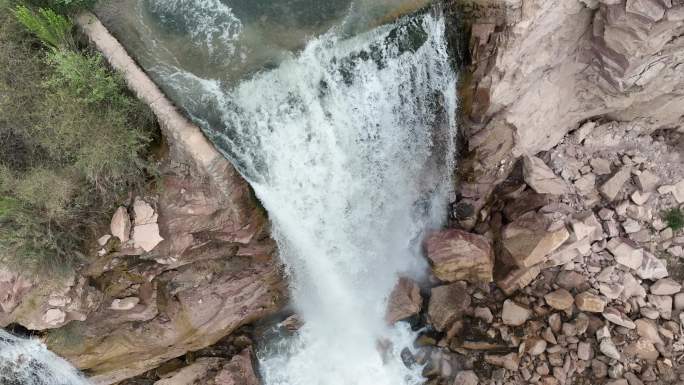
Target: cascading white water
28	362
355	172
348	145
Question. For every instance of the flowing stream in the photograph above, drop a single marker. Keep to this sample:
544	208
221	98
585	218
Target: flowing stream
342	118
28	362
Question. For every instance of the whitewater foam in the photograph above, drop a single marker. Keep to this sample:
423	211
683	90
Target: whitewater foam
28	362
349	146
210	23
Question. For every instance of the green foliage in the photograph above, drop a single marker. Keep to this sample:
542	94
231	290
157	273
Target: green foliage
46	191
62	6
6	180
674	219
8	206
33	243
52	29
101	130
85	78
72	142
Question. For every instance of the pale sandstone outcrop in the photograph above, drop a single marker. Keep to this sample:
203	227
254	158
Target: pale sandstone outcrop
541	68
120	225
39	304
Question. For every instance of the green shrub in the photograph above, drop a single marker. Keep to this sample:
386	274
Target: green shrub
8	206
72	142
96	126
674	219
47	192
35	244
6	180
85	77
52	29
62	6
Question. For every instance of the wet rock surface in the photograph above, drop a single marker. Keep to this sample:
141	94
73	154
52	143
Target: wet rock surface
588	282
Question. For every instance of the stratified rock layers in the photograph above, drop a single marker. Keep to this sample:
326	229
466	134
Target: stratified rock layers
177	279
542	68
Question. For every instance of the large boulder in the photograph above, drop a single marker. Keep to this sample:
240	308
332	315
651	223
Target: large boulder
214	271
457	255
404	301
532	237
543	68
448	304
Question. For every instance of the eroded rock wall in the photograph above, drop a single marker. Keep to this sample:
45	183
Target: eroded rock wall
208	269
541	68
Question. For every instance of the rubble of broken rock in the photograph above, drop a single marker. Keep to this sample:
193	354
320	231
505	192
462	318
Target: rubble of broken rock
587	277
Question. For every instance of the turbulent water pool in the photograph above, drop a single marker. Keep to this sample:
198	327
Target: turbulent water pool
341	117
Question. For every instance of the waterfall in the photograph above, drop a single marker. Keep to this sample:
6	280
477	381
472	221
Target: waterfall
28	362
348	142
348	145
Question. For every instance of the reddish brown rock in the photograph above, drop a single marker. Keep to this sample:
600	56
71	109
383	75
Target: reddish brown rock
45	303
292	323
456	255
202	303
531	238
404	301
13	287
196	373
216	371
447	304
239	371
518	279
569	280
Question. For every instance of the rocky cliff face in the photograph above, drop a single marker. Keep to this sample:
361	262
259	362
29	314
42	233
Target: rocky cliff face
541	69
181	269
588	93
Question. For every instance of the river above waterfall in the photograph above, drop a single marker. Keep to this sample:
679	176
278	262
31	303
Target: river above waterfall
342	118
